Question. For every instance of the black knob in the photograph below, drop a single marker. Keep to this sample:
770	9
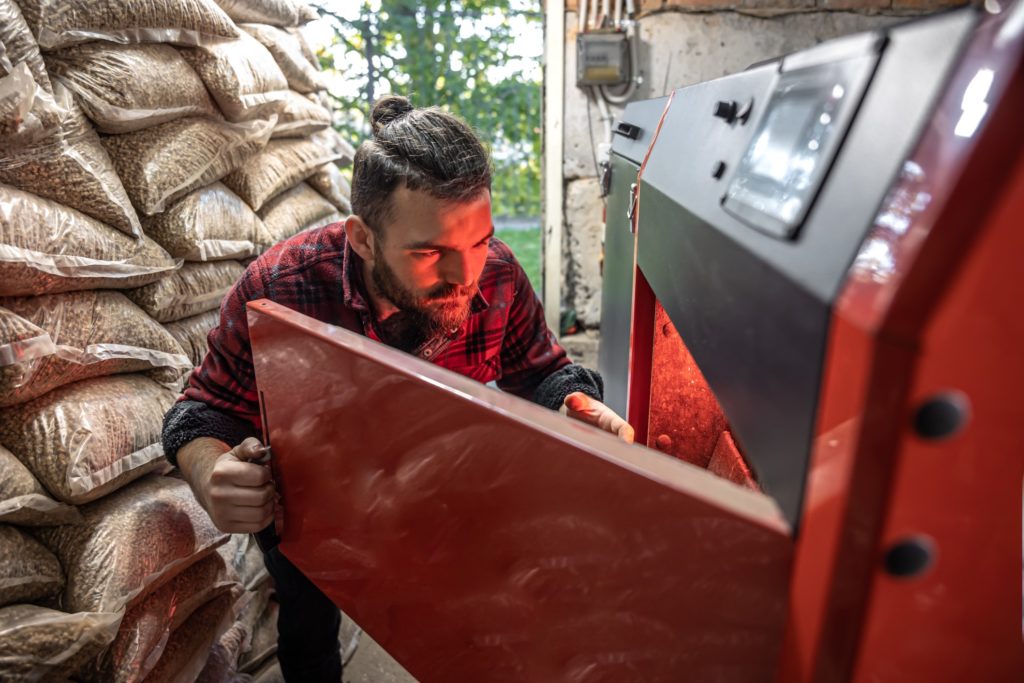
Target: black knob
726	110
718	170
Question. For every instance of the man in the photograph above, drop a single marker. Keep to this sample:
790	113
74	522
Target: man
416	267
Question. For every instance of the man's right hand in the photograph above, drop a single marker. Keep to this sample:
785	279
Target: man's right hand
236	493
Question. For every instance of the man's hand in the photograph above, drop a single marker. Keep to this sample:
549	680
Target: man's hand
582	407
237	494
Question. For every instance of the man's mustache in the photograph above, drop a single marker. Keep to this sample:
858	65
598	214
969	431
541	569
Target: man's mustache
451	291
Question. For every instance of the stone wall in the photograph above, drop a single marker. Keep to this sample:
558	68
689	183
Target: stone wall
685	42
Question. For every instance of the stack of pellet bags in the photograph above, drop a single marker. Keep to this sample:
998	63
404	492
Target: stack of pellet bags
148	148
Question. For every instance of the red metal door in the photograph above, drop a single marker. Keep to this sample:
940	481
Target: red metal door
479	537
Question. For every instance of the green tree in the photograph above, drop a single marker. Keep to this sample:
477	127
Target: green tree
457	54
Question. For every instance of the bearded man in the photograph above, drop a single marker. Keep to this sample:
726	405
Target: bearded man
416	267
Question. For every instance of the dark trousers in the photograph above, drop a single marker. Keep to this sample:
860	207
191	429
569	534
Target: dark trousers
307	625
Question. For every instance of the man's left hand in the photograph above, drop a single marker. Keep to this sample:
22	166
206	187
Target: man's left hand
582	407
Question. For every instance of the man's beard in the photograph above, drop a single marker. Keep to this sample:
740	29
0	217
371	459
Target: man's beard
443	309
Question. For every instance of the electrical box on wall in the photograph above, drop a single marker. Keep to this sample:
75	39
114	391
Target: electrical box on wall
602	58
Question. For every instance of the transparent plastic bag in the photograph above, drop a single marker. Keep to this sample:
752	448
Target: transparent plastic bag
342	148
208	224
195	289
241	75
246	559
222	662
192	333
96	333
146	626
28	113
293	211
304	46
18	45
28	571
300	117
131	543
287	52
59	23
24	501
264	635
72	168
273	12
166	162
84	440
41	644
189	646
47	247
124	88
281	165
329	182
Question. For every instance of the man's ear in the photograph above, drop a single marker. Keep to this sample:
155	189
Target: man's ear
360	237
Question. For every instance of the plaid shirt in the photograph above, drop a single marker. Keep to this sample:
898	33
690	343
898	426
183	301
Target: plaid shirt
316	273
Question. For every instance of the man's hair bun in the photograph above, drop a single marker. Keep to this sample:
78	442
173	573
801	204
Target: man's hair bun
388	109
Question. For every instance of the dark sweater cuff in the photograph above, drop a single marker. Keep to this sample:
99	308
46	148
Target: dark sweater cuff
571	378
188	420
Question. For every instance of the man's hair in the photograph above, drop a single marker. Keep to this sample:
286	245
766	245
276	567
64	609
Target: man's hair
420	148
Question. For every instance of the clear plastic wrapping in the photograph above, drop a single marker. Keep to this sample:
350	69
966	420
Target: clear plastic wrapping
241	75
189	645
222	664
72	168
84	440
293	211
342	148
47	247
274	12
28	571
131	543
59	23
146	626
246	559
166	162
284	47
95	333
195	289
18	45
28	113
124	88
208	224
192	333
24	501
279	166
329	182
263	645
300	117
304	46
41	644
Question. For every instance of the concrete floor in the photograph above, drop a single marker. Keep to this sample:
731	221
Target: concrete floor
371	664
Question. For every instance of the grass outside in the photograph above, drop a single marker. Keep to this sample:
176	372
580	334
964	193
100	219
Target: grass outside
525	244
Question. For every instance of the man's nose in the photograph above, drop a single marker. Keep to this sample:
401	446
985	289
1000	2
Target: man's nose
459	269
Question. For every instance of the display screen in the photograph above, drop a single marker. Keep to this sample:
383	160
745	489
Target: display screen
794	145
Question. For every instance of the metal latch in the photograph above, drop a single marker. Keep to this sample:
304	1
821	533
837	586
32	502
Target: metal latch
631	207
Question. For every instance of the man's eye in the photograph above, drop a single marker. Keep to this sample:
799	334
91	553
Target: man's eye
425	254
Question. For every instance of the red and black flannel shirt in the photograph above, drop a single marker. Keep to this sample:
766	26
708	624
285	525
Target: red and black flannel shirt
316	273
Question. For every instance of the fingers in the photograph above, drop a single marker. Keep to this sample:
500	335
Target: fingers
231	471
241	495
581	407
250	449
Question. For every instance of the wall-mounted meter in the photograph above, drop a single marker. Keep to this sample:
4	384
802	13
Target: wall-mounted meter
602	58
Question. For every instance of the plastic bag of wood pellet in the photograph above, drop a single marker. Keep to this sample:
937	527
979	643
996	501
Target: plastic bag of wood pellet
278	167
300	117
287	52
264	637
246	559
59	23
84	440
195	289
72	168
189	645
28	113
166	162
24	501
329	182
46	247
293	211
95	333
222	663
208	224
342	148
241	75
192	332
147	625
41	644
18	45
304	46
28	571
130	543
273	12
124	88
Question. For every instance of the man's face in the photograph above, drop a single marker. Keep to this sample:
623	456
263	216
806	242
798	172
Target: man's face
431	256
